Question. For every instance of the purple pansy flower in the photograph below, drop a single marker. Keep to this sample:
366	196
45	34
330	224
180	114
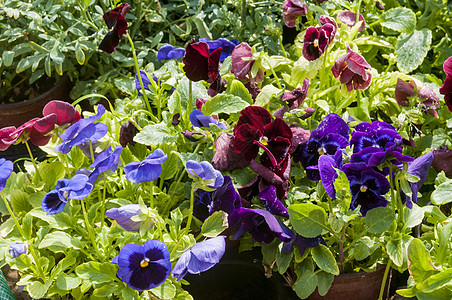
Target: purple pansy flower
300	241
327	166
6	168
123	216
16	249
78	187
205	172
419	167
168	52
446	88
144	267
198	119
117	27
146	170
349	18
201	257
147	82
292	9
331	135
317	40
107	160
83	131
227	46
271	202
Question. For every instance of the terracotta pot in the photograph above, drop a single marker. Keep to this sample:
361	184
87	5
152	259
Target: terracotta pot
16	114
355	286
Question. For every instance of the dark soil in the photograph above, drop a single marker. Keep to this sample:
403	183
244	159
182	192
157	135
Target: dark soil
12	276
20	90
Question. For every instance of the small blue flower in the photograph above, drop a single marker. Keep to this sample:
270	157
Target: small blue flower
107	160
123	216
146	170
205	172
198	119
6	168
201	257
78	187
16	249
227	46
147	82
83	131
168	52
144	267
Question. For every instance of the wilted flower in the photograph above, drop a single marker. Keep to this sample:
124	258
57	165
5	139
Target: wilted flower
78	187
146	170
446	88
83	131
144	267
107	160
203	172
352	69
293	99
227	46
117	27
126	134
406	89
168	52
6	168
123	216
198	119
201	257
225	158
292	9
442	160
242	68
349	18
16	249
316	40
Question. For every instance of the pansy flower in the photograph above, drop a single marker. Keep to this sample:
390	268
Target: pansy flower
297	240
331	135
404	89
6	168
446	88
367	186
442	160
327	169
316	40
419	168
225	158
124	216
168	52
16	249
6	137
293	99
78	187
201	257
108	160
227	46
83	131
65	112
271	202
146	170
292	9
198	119
147	82
349	18
242	68
204	174
353	70
117	27
144	267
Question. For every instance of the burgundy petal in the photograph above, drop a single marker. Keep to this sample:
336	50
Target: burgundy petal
241	67
196	61
349	18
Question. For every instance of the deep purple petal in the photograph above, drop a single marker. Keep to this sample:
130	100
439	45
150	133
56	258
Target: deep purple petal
52	204
272	203
328	174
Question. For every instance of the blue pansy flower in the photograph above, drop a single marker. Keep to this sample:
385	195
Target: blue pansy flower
144	267
227	46
6	168
203	171
272	203
78	187
147	82
16	249
107	160
300	241
123	216
201	257
168	52
198	119
419	167
146	170
331	135
83	131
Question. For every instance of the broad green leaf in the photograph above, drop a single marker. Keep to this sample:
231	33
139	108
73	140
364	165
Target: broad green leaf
52	172
441	195
363	248
324	282
203	30
283	260
372	40
19	201
379	219
342	188
107	290
305	284
165	291
169	167
325	259
267	93
437	281
155	134
67	282
58	241
222	103
420	262
307	219
435	214
8	58
412	48
399	19
38	290
395	250
412	217
215	224
97	272
58	221
237	88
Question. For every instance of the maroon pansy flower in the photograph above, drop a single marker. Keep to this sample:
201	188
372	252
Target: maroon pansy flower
6	139
293	99
117	27
292	9
446	88
329	20
349	18
242	68
353	70
37	130
225	158
200	64
442	160
65	112
404	89
316	40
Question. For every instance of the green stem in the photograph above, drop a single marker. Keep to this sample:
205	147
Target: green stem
90	231
91	151
189	104
103	201
274	74
33	160
190	217
243	18
151	192
399	202
385	277
24	236
357	11
282	46
393	197
137	69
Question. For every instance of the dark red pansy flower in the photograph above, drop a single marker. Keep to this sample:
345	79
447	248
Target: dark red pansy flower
442	160
37	130
403	90
6	139
446	88
353	70
65	112
292	9
293	99
316	40
349	18
117	27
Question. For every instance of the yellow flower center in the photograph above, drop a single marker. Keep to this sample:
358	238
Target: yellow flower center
316	43
144	263
363	188
321	150
264	140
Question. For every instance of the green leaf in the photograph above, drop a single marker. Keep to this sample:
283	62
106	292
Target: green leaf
399	19
412	48
435	214
58	241
283	260
19	201
58	221
307	219
8	58
166	290
107	289
97	272
363	248
412	217
237	88
169	167
395	250
267	93
342	188
441	195
325	259
79	54
305	284
421	267
222	103
203	30
324	282
48	66
27	62
437	281
38	290
55	54
155	134
52	172
67	282
379	219
215	224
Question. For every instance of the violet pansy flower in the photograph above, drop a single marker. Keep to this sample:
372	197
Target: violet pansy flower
327	169
6	168
168	52
123	216
419	168
297	240
271	202
198	119
16	249
117	27
226	45
144	267
146	170
83	131
207	177
107	160
201	257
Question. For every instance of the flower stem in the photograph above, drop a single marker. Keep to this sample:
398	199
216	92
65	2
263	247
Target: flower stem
282	46
91	151
385	277
190	217
103	201
24	236
151	192
137	68
274	73
90	231
189	103
33	160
